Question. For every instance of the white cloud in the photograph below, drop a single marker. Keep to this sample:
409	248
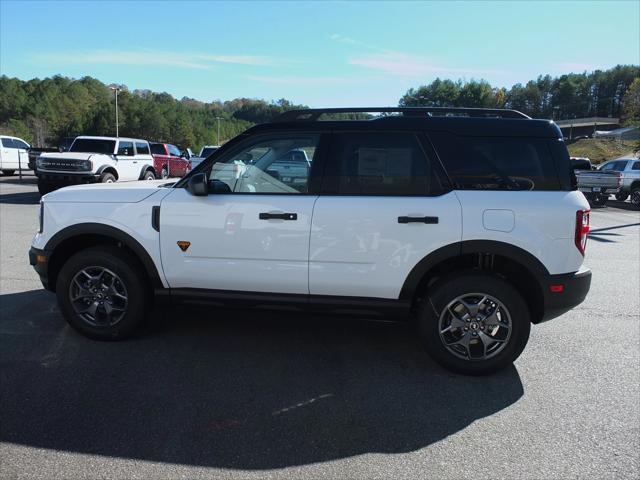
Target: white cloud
148	57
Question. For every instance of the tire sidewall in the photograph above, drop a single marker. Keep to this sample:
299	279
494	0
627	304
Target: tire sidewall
123	265
148	175
451	287
106	177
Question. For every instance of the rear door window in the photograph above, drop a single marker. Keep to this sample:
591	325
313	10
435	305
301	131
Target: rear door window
380	163
125	148
142	148
157	149
497	163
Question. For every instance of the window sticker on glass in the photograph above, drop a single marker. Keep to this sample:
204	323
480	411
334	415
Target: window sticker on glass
395	162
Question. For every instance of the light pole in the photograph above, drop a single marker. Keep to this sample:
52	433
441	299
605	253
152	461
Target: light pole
218	137
116	89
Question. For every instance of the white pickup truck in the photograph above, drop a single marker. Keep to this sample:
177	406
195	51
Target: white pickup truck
95	160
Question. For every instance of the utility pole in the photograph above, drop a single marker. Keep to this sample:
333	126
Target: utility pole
218	137
116	89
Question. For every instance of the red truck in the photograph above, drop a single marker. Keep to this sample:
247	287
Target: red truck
169	160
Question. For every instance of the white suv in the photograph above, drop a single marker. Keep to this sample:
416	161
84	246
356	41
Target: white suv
466	220
95	159
13	154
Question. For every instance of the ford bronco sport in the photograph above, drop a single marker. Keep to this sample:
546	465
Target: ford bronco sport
467	220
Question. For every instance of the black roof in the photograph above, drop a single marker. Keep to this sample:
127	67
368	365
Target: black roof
459	121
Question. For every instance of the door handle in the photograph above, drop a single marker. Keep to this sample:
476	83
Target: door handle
430	220
278	216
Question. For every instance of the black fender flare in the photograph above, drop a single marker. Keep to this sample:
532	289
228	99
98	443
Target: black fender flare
101	170
111	232
144	169
517	254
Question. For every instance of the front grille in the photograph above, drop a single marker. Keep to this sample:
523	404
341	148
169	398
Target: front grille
63	165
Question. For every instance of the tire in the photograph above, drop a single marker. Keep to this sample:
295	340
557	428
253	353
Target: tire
148	175
621	197
164	173
635	197
109	275
505	341
8	173
107	178
45	187
599	200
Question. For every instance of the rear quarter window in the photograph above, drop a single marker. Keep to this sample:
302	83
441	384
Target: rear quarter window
142	148
499	163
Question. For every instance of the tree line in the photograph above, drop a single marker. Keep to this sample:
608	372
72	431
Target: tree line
576	95
42	111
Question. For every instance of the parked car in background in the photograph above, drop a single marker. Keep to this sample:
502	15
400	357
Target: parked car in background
169	160
594	184
292	168
96	159
204	153
629	170
35	152
13	154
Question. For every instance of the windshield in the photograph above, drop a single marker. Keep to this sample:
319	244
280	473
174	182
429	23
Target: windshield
91	145
208	151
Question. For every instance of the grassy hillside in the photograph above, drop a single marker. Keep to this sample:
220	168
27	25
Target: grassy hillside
599	150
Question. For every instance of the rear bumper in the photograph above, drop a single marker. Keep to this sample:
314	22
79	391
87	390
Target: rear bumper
39	260
575	287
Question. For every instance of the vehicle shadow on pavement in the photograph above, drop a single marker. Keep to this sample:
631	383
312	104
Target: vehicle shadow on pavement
231	388
23	198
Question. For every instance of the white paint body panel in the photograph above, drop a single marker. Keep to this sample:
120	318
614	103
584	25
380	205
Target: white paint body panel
231	248
13	158
359	249
544	224
132	218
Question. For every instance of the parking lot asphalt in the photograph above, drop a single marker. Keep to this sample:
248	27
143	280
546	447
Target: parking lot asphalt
211	393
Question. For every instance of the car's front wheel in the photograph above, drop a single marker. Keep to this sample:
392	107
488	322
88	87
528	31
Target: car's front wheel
103	293
107	178
474	323
635	197
621	197
8	173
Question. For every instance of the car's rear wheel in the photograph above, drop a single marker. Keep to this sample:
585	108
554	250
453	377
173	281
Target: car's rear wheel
148	175
474	323
635	197
621	197
107	178
103	293
164	173
8	173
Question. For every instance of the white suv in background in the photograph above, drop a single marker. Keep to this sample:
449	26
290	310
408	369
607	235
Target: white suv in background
95	159
13	154
466	219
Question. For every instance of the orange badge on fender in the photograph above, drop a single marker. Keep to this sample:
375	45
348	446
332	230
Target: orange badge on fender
183	245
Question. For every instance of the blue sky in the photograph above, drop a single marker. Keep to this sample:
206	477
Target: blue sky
320	54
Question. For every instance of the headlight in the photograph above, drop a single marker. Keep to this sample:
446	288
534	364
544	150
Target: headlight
41	225
86	165
39	162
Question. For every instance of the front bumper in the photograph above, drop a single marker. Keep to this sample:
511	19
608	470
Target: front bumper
39	259
575	287
66	178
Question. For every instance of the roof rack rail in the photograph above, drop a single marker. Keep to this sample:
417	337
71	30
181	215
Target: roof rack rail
313	114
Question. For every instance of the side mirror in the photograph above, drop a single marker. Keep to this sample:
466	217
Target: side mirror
198	185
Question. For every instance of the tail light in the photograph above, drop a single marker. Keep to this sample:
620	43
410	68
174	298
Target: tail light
582	229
